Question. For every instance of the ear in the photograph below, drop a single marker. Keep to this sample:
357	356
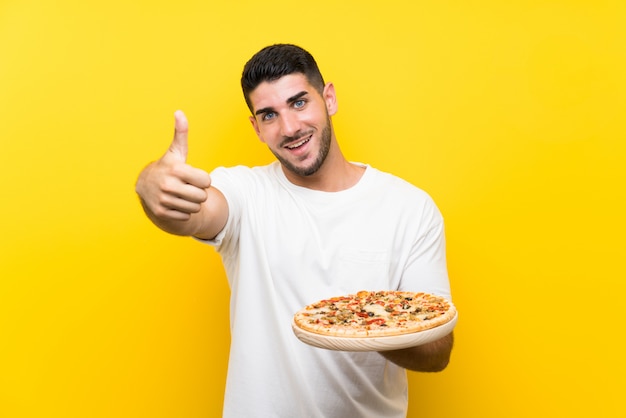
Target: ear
330	98
255	126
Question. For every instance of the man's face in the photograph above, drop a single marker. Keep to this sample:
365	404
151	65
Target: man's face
293	119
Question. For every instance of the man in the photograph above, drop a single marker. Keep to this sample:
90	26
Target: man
309	226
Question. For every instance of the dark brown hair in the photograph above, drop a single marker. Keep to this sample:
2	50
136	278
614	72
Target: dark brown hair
276	61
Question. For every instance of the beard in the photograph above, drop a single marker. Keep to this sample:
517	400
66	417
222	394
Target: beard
312	168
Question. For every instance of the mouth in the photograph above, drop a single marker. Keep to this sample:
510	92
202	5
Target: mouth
298	144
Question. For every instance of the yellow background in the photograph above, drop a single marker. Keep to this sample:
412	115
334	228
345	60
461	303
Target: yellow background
509	113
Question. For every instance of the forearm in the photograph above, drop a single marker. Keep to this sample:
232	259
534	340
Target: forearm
430	357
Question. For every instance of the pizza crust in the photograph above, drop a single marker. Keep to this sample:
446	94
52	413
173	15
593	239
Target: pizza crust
375	314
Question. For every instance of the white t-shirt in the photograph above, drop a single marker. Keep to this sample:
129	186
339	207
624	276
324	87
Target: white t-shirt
286	246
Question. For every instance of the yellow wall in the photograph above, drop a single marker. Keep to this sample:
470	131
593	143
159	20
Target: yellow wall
509	113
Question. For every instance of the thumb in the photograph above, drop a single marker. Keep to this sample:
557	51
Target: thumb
178	146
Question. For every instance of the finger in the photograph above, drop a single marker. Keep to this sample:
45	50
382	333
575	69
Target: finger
179	145
182	205
195	177
175	215
191	194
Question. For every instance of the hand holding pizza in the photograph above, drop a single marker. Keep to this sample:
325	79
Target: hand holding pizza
169	188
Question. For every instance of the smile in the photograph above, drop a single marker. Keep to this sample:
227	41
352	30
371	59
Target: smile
299	143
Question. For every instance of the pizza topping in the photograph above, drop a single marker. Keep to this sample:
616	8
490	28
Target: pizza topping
375	314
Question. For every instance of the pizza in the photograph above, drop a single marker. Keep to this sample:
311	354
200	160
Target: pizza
375	314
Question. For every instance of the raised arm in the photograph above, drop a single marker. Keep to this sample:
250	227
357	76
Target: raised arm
177	197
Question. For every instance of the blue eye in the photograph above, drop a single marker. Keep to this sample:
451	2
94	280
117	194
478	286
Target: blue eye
299	103
269	115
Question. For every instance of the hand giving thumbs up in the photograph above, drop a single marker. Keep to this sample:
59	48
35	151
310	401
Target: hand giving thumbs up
169	188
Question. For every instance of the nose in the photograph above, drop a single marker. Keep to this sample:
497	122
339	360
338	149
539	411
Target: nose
289	124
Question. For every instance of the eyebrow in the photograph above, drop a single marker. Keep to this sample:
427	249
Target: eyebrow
289	100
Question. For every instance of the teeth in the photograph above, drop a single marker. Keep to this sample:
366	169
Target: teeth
298	144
